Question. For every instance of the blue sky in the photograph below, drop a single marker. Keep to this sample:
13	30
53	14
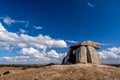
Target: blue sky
40	31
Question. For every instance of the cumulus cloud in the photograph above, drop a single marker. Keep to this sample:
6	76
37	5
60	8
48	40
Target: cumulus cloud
53	53
31	52
111	55
22	31
2	28
24	40
32	49
34	56
8	48
7	20
90	5
14	60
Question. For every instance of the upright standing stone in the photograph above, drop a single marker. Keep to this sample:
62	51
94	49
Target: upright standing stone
81	55
92	55
77	55
68	58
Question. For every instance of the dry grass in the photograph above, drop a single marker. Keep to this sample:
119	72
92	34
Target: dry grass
63	72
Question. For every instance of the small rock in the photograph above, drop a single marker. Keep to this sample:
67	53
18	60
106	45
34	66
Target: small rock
71	72
35	79
1	75
6	72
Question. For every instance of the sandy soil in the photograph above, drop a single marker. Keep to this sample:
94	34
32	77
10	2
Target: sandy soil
62	72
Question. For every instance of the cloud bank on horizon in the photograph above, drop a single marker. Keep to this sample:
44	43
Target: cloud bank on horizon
40	49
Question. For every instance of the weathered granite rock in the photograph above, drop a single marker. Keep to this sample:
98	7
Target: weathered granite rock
84	52
86	43
81	55
77	55
92	55
65	59
90	43
6	72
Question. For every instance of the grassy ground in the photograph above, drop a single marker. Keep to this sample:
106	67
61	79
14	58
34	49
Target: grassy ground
61	72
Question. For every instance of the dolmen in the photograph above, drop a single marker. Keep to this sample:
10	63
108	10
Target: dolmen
84	52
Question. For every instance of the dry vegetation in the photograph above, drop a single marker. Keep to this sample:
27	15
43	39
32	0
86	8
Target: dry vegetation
61	72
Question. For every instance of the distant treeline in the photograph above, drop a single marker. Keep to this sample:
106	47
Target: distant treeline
26	65
41	65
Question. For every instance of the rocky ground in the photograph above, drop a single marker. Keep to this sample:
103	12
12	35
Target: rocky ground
61	72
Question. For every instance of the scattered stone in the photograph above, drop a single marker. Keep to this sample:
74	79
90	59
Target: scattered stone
6	72
1	75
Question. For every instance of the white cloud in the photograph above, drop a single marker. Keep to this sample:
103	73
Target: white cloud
71	41
110	55
8	48
53	53
14	60
2	28
22	31
7	20
90	5
38	27
34	56
103	44
40	41
31	52
22	45
33	49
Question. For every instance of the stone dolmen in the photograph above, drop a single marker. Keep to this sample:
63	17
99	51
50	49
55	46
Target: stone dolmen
84	52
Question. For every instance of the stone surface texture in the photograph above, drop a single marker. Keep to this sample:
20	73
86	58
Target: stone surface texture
84	52
82	55
92	55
